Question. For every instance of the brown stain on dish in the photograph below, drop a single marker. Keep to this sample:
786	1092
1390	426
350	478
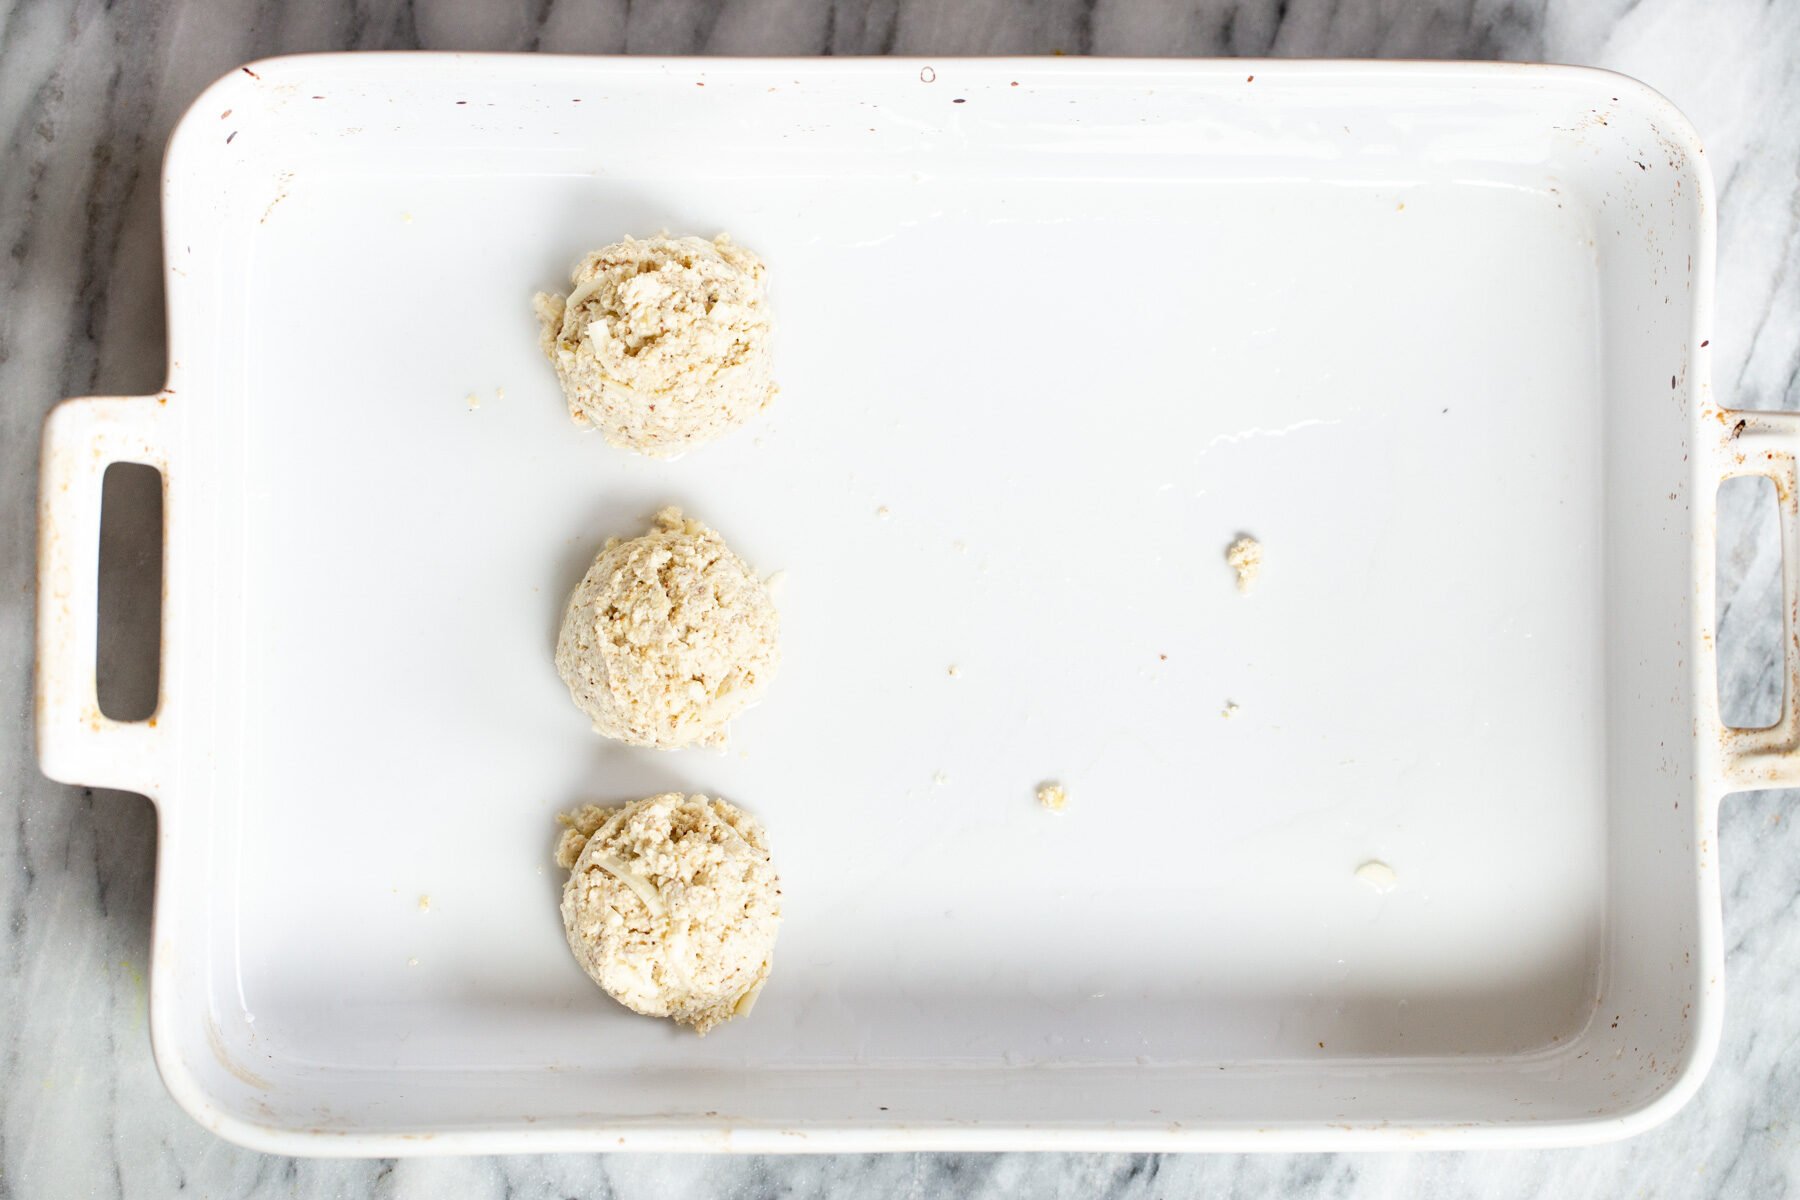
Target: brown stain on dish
216	1042
281	193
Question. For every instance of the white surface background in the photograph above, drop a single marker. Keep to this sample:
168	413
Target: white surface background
86	98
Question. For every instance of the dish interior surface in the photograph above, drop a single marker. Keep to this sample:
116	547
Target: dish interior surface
1045	348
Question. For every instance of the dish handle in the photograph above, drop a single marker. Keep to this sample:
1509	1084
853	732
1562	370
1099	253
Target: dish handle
76	742
1767	444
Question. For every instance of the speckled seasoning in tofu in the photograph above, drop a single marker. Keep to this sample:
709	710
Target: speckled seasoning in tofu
668	637
662	343
672	905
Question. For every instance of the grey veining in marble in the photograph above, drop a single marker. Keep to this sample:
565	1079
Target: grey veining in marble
89	91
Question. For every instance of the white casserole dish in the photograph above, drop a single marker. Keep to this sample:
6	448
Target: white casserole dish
1051	333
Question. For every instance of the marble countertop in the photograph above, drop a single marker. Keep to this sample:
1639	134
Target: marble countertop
88	93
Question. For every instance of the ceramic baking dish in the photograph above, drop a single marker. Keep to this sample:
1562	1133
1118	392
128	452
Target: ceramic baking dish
1052	333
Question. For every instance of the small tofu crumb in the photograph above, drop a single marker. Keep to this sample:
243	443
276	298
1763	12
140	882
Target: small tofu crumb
412	962
1229	711
406	218
424	904
1053	796
499	393
884	512
940	779
473	400
955	671
1245	556
1377	875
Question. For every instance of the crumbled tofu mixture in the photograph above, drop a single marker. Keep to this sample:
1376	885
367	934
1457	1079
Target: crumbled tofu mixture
663	343
1053	796
668	637
1377	875
672	905
1245	556
1229	711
